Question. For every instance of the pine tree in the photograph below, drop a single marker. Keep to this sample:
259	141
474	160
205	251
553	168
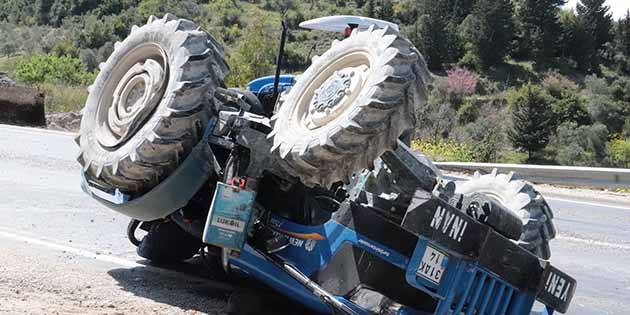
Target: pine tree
459	9
538	28
622	35
369	10
593	30
532	120
435	33
598	20
386	10
489	30
577	41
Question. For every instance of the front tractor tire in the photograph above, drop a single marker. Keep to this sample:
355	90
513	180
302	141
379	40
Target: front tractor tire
522	199
150	104
350	106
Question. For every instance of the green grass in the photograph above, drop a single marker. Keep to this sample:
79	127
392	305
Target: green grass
62	98
512	157
513	73
445	150
7	65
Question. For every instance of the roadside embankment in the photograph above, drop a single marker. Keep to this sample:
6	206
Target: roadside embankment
22	106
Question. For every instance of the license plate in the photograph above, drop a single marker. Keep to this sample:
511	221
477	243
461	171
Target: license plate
432	265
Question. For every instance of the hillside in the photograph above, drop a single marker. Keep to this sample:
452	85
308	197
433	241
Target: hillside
515	80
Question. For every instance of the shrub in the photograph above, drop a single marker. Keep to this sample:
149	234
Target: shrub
62	98
468	112
571	108
255	56
487	138
626	128
620	153
596	86
580	145
461	82
445	150
605	110
556	84
52	69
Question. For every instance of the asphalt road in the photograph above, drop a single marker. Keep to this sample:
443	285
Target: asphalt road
62	253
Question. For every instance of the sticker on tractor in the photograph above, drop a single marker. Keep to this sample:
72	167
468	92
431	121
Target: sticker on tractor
433	265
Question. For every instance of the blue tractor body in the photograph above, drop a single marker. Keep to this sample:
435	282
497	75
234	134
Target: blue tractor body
264	85
429	266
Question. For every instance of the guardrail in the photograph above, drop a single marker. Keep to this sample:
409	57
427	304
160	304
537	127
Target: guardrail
545	174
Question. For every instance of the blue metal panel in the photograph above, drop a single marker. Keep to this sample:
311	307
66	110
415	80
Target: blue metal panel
265	84
476	294
506	301
468	284
497	299
486	296
254	265
445	305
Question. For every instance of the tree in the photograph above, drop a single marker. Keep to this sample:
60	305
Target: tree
255	56
577	42
386	10
598	20
435	33
369	9
8	44
532	120
590	31
580	145
538	29
489	30
571	108
622	35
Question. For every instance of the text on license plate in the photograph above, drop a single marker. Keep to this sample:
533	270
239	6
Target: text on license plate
432	265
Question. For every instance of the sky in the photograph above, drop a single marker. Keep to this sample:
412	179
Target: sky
618	7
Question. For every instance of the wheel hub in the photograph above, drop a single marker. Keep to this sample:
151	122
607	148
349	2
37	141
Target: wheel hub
134	98
334	95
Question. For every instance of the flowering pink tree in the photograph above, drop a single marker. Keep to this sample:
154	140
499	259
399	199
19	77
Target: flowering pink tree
461	82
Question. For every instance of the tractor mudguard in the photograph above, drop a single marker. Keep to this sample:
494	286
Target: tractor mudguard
172	194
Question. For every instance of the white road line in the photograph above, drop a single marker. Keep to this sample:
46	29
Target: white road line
114	260
38	130
593	242
79	252
594	204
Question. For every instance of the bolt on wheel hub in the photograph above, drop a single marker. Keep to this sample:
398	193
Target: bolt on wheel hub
333	96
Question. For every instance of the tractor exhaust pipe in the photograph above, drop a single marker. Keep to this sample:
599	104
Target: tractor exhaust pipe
276	81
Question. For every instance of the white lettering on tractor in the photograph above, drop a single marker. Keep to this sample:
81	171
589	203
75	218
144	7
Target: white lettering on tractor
558	286
449	224
374	248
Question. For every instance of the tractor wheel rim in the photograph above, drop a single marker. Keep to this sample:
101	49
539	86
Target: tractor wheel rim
134	98
332	92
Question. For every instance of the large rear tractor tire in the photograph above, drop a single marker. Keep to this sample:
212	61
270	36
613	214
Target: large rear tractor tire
522	199
150	104
350	106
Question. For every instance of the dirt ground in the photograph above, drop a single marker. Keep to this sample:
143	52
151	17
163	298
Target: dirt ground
70	121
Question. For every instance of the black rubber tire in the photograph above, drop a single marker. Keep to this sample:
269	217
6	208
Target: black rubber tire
522	199
167	243
366	121
172	122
